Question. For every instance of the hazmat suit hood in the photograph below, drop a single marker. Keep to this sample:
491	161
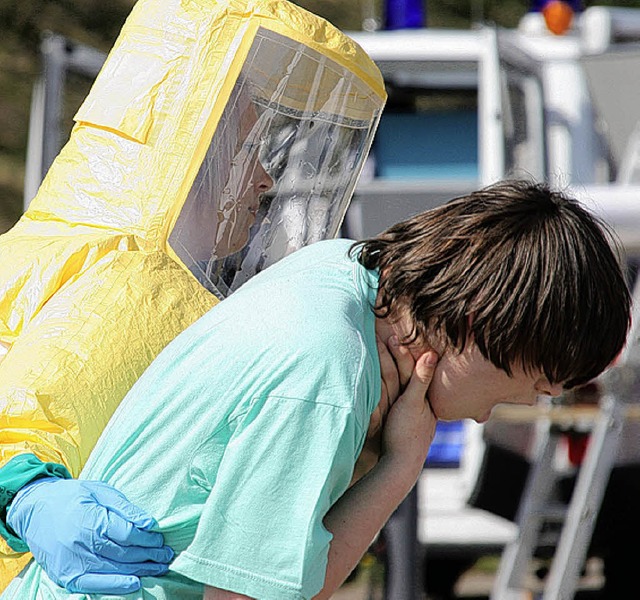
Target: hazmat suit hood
168	104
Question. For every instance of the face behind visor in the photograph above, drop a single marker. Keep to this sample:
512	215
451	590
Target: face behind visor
225	198
281	166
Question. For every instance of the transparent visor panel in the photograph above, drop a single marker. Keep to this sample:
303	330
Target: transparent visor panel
282	164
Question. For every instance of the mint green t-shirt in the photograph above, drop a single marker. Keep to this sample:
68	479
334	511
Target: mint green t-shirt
245	431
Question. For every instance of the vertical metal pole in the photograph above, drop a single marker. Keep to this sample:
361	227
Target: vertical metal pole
490	133
401	537
54	59
33	166
370	15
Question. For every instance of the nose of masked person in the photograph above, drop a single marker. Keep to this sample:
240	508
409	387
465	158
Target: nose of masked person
248	182
261	181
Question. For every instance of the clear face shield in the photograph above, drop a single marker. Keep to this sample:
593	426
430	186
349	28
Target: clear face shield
282	164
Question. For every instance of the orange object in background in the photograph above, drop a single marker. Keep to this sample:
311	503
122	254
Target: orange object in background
558	16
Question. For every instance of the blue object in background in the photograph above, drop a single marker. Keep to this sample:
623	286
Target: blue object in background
447	446
404	14
439	145
538	5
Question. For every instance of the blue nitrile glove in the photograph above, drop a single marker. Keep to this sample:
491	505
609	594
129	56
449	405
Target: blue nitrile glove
87	536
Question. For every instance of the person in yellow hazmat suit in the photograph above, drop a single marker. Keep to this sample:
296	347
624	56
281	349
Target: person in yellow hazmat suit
219	137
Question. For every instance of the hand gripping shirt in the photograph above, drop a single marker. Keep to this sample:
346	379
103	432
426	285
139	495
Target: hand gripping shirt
245	431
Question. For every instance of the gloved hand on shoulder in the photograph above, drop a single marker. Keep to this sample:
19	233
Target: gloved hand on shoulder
87	536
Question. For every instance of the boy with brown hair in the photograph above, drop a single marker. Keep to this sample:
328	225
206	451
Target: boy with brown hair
246	457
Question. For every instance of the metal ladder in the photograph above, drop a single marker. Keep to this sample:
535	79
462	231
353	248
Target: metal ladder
618	385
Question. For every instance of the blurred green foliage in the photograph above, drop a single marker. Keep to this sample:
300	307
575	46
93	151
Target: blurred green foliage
22	25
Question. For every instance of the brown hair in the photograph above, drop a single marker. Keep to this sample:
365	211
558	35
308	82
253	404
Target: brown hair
526	271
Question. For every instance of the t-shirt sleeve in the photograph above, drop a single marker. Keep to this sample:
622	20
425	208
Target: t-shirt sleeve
261	532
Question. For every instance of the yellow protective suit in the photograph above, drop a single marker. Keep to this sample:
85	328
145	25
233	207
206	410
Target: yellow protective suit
91	288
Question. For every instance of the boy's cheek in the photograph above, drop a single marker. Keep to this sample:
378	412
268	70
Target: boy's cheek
438	394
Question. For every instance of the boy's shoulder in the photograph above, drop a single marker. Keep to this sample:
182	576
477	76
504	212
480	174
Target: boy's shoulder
316	264
324	251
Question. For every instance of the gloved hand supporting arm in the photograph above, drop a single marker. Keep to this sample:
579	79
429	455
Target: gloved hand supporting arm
17	473
87	536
